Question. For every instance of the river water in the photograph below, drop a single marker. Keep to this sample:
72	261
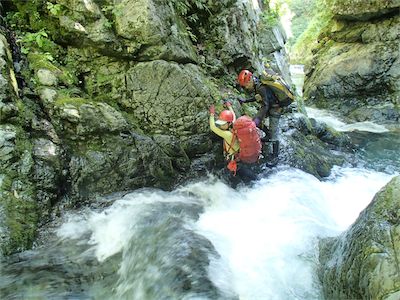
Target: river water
203	240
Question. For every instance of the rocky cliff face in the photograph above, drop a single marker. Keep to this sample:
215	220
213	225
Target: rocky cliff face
18	174
363	263
105	96
356	66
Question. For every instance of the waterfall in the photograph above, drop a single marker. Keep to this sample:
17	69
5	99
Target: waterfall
268	235
297	76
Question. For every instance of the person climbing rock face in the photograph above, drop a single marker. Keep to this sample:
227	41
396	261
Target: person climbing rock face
224	130
241	143
272	93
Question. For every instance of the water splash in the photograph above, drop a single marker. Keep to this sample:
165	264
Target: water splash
336	123
267	236
204	240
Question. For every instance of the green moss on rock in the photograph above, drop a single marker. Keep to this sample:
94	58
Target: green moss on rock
21	221
363	262
70	101
39	61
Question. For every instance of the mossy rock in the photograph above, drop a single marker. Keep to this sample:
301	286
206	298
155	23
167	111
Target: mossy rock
363	9
362	263
38	61
103	165
19	222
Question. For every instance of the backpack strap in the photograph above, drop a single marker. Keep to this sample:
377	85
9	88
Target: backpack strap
232	165
226	150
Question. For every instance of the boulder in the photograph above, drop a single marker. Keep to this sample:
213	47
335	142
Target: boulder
312	146
363	263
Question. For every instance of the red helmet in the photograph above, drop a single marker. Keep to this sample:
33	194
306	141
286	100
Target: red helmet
225	116
244	77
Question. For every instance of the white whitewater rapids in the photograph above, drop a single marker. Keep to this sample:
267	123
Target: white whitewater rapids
266	235
334	121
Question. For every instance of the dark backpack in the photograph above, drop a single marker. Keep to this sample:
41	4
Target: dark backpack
278	86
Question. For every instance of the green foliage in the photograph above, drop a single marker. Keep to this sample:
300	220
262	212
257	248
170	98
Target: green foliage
187	8
36	40
29	39
108	24
270	16
27	16
300	52
15	19
273	11
303	12
192	36
193	12
54	9
181	6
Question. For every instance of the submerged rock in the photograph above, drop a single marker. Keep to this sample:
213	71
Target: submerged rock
158	255
363	263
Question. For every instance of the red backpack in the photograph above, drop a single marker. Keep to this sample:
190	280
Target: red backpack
245	131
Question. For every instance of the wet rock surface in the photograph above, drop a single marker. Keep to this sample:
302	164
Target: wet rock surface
363	262
355	69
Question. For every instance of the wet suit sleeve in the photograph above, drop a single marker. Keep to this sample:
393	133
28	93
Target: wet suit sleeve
226	135
251	99
266	102
266	95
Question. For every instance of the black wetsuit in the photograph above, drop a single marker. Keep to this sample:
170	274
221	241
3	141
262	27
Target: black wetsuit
269	108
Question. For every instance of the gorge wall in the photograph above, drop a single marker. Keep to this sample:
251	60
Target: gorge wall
356	65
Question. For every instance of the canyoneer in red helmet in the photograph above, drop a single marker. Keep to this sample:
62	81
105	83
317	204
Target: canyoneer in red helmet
272	93
223	128
241	142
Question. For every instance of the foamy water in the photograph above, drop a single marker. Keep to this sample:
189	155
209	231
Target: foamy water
336	123
266	235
